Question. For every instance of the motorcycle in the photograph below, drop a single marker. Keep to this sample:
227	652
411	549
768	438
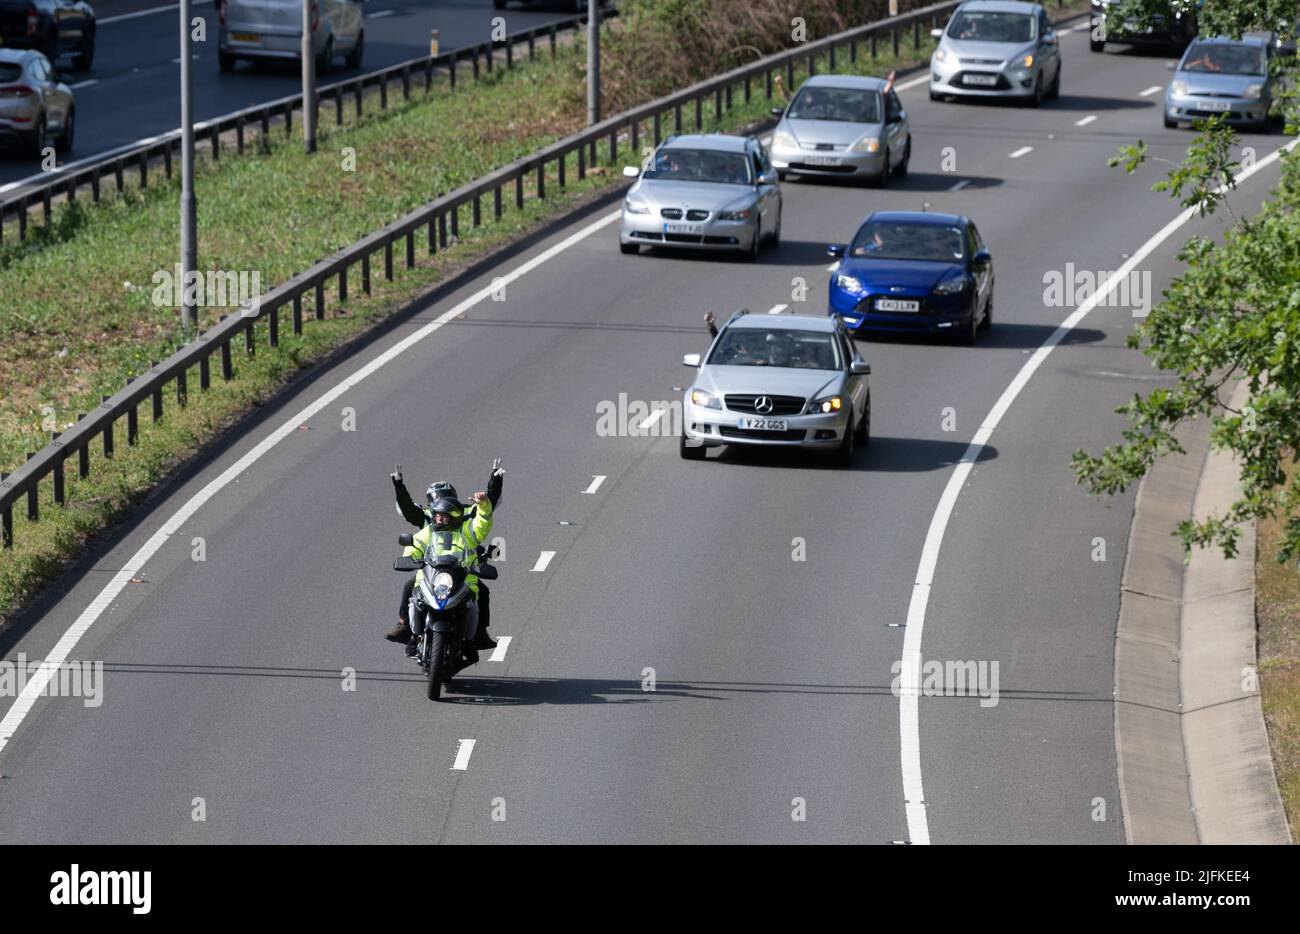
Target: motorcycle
439	608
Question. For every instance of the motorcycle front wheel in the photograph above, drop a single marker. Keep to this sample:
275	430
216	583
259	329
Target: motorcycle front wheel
437	663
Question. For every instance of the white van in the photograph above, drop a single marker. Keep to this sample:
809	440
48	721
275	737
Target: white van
273	29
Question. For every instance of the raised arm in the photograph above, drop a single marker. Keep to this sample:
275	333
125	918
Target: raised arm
406	506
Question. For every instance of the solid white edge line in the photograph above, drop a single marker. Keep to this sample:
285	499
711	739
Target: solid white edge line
918	827
463	752
499	653
596	480
23	704
84	84
543	561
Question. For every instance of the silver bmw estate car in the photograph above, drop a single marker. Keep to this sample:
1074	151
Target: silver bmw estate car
843	125
778	381
711	192
997	48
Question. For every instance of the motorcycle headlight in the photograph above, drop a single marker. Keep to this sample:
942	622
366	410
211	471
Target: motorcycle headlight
736	214
826	405
705	399
867	144
847	283
782	138
951	285
1179	88
442	584
1254	91
635	207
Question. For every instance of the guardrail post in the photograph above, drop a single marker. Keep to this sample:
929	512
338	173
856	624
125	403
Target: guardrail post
832	57
388	260
747	93
227	363
337	94
357	95
442	231
564	158
288	119
553	49
70	189
767	82
83	457
239	134
496	203
410	249
58	474
916	35
143	161
541	181
205	375
853	51
273	326
519	191
451	70
532	46
33	504
320	300
297	316
873	46
677	119
215	134
406	81
582	162
717	104
117	173
510	54
157	400
266	124
727	92
365	273
250	345
455	222
132	425
789	76
893	33
7	523
45	202
636	138
108	435
613	146
343	284
182	389
94	183
383	92
476	214
473	57
22	219
428	75
488	56
657	128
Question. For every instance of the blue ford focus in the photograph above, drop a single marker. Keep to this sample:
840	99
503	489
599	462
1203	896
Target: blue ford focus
912	271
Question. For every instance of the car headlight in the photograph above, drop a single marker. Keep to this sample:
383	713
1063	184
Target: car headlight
826	405
705	400
848	283
940	55
867	144
782	138
1253	91
635	207
951	285
1179	88
1029	61
737	214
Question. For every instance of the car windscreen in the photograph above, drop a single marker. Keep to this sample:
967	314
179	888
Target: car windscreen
850	105
1213	58
10	72
700	165
804	350
930	242
992	27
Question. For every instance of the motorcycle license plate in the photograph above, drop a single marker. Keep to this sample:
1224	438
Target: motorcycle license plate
984	80
684	228
759	423
897	304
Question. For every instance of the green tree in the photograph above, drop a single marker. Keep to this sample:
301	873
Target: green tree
1233	314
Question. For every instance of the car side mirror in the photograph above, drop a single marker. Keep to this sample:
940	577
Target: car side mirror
691	359
1049	39
769	178
631	171
835	249
860	368
407	539
936	33
1171	66
981	258
777	111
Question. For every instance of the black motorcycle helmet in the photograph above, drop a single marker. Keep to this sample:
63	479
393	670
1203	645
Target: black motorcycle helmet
450	507
437	489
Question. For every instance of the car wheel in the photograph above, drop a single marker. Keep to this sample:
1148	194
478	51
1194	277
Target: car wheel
1037	97
1054	91
225	61
751	254
936	96
69	131
988	316
881	180
629	248
690	452
782	176
86	54
844	453
36	143
775	239
353	58
1171	124
325	60
900	171
863	434
969	329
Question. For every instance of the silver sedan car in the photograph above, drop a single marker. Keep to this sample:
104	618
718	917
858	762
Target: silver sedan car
1222	77
843	125
997	48
711	192
778	381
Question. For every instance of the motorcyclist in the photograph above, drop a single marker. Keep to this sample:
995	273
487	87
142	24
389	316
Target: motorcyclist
422	518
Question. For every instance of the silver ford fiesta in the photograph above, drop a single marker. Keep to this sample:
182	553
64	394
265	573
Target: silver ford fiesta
997	48
843	125
711	192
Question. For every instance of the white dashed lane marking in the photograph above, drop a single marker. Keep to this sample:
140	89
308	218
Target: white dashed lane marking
543	560
463	752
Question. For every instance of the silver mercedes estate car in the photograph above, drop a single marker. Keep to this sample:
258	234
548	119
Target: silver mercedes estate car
778	381
997	48
843	125
711	192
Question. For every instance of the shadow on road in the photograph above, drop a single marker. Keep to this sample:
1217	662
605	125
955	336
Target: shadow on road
999	336
883	454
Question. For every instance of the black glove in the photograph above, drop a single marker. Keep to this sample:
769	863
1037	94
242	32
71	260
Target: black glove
396	475
495	481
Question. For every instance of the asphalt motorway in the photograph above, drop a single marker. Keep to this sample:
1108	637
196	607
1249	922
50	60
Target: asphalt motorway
133	89
225	680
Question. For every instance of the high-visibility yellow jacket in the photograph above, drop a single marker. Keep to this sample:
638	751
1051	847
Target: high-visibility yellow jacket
466	538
